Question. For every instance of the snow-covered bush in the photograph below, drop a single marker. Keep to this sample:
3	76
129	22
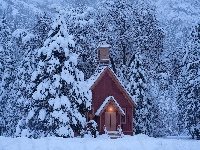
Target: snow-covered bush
90	129
195	131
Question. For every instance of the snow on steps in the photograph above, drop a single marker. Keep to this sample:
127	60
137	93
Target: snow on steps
114	134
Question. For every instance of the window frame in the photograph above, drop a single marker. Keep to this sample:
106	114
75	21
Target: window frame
124	109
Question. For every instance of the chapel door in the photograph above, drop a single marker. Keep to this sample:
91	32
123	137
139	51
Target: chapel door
110	121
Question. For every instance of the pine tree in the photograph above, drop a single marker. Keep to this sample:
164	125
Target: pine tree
25	86
2	102
157	124
9	107
136	85
189	98
60	96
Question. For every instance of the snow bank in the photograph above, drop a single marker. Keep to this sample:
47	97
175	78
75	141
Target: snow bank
139	142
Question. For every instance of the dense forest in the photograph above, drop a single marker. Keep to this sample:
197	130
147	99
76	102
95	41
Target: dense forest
47	55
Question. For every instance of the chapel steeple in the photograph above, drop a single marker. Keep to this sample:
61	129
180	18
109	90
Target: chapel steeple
103	53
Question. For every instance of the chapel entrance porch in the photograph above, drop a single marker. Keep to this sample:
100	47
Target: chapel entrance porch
108	115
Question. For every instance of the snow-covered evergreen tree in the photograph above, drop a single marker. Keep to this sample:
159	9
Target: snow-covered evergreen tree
9	107
25	86
27	44
136	85
82	23
60	96
189	98
2	92
157	128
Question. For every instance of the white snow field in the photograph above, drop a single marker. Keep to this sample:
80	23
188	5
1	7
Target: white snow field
138	142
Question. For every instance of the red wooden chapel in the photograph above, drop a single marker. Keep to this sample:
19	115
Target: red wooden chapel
111	103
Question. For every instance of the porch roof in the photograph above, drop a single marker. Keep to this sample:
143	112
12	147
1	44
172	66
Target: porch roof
106	103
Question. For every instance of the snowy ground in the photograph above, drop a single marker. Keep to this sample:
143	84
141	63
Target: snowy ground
139	142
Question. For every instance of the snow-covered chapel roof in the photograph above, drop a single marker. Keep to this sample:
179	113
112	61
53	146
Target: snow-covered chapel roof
99	72
106	103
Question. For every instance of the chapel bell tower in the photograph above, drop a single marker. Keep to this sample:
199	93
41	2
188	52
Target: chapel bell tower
103	53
